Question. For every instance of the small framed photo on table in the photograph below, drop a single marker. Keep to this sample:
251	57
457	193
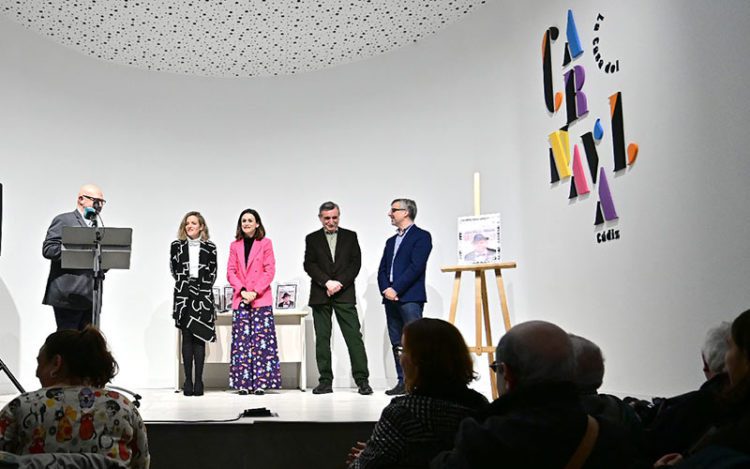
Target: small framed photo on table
218	299
286	296
228	296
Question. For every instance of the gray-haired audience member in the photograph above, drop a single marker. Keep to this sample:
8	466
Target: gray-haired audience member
681	420
538	421
589	375
725	443
715	346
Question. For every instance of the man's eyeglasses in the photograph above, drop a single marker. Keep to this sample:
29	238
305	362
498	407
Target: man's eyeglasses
396	209
94	199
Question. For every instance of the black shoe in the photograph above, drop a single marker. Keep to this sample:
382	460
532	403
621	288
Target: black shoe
243	392
323	388
187	388
364	388
397	390
198	389
259	392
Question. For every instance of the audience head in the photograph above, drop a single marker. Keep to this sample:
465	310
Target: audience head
737	359
249	225
193	226
531	353
434	356
589	362
71	357
715	348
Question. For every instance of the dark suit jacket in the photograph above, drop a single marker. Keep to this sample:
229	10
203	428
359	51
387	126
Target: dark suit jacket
66	288
537	426
408	267
321	267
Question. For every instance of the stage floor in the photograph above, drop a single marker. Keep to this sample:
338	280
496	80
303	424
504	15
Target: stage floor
309	431
290	405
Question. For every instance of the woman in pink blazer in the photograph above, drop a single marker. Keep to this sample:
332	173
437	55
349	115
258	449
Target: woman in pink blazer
255	358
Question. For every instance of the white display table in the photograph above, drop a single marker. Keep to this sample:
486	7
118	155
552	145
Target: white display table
290	335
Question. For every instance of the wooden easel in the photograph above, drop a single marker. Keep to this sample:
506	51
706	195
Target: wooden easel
481	304
481	307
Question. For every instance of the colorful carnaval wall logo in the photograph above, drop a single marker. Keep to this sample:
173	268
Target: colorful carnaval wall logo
572	77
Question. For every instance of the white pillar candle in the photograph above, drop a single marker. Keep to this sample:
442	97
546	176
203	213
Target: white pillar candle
477	210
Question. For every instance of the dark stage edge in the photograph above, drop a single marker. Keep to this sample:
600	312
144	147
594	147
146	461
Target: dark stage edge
258	445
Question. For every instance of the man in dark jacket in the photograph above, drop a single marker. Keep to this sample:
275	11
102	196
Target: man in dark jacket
70	291
589	376
538	421
333	260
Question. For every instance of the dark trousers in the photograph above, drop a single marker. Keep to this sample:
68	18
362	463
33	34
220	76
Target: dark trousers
397	316
72	318
193	350
346	315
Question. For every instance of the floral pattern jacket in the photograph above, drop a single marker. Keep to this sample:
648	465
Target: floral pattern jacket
75	419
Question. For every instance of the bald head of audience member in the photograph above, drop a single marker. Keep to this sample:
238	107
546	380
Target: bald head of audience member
589	371
534	352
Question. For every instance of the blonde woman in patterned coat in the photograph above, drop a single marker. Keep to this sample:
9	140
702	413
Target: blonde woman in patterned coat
193	265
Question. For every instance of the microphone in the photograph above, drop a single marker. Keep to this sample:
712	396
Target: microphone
90	213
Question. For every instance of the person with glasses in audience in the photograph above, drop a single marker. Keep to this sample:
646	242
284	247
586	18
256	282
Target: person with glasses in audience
70	291
414	428
401	276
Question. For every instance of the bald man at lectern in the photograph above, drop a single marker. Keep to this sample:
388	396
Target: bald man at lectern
70	291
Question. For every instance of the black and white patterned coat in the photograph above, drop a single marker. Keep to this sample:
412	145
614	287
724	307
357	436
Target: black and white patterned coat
196	299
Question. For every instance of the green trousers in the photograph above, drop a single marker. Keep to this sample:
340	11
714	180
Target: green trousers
346	315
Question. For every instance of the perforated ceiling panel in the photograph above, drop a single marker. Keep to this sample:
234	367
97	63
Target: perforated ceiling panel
235	38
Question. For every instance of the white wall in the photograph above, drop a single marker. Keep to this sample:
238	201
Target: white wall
416	122
681	265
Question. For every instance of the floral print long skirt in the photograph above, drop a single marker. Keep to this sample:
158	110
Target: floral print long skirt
255	353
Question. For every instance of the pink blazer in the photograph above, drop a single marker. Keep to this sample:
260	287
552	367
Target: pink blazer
256	275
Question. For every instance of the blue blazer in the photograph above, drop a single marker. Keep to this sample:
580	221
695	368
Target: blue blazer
408	267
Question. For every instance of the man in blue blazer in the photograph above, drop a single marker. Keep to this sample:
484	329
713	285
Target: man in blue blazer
401	277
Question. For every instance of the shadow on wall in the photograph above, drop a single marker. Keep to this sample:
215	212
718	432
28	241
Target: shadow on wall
375	335
9	338
161	346
311	366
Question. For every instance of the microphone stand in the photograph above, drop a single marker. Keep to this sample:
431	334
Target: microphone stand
98	273
97	293
4	368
